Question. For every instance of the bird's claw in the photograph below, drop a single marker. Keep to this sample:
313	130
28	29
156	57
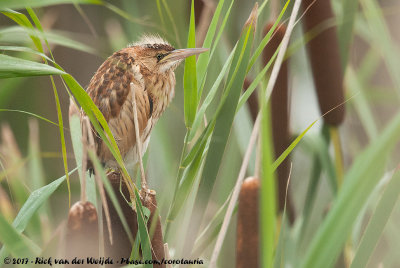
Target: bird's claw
146	192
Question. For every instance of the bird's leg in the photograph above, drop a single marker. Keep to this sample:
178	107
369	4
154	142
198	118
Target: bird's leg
138	141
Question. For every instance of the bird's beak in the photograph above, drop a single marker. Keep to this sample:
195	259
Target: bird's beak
180	54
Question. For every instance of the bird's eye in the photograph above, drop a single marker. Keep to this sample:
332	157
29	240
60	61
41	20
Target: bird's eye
160	56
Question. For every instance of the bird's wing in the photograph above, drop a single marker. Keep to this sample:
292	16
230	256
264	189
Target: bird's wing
109	87
110	91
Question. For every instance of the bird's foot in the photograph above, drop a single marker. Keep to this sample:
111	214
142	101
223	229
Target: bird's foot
146	190
146	194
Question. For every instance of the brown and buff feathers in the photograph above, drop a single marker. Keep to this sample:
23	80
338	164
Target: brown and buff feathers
111	93
110	89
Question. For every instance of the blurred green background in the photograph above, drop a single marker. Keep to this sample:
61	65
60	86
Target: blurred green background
99	31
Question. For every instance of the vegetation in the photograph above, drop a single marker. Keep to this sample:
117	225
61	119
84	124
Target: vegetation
343	185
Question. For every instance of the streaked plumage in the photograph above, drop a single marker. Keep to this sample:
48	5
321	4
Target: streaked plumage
149	64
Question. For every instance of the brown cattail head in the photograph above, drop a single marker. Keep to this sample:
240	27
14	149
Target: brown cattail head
280	116
252	102
82	238
198	10
247	240
154	226
121	246
324	55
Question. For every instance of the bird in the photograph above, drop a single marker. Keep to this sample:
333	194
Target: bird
143	74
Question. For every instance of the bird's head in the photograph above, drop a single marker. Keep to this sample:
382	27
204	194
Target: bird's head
159	56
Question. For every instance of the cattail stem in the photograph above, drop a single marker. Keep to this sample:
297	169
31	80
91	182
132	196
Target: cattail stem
257	169
335	137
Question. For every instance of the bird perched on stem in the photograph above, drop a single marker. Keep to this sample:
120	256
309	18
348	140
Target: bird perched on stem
142	76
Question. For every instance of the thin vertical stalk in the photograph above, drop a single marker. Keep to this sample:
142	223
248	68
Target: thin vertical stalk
177	181
334	133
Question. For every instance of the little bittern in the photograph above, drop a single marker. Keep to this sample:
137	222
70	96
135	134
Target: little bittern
149	66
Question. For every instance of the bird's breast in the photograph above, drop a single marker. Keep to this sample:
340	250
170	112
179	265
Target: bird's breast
131	157
162	91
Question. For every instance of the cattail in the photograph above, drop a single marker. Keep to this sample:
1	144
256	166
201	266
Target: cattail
154	226
280	116
82	238
323	51
121	246
198	10
247	243
252	102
